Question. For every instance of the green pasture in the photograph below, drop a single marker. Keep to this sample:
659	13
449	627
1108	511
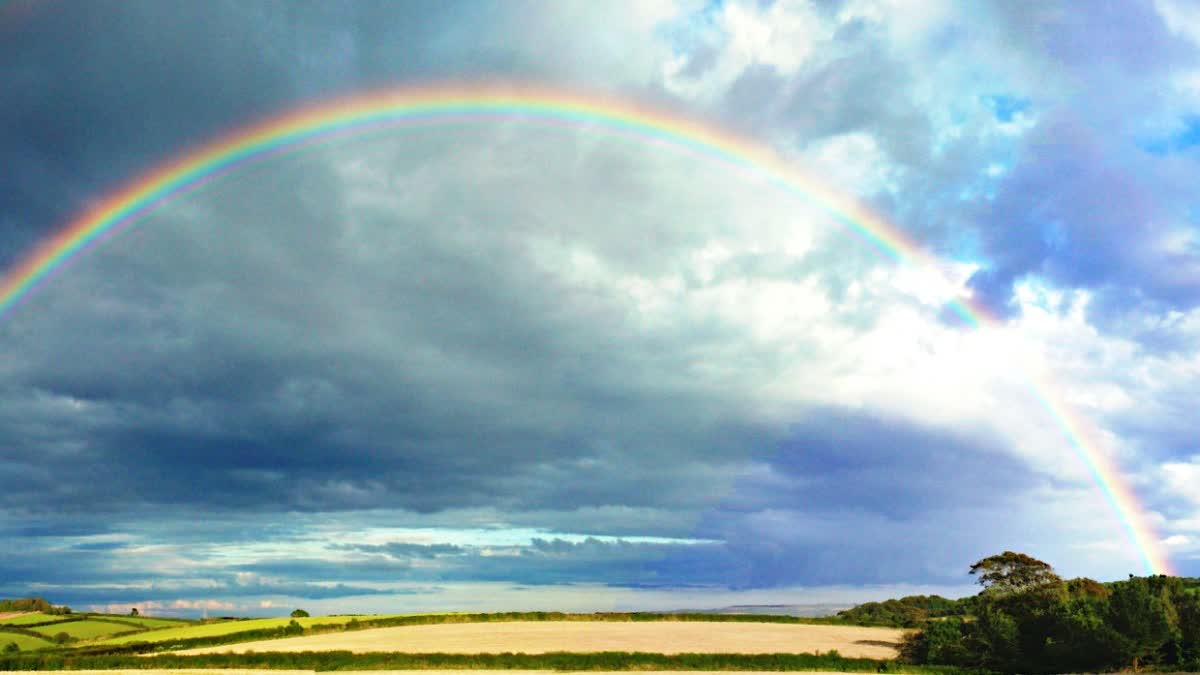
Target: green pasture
147	621
25	642
88	629
36	617
205	630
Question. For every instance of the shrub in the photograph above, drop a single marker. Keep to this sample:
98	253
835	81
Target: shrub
62	637
298	613
11	648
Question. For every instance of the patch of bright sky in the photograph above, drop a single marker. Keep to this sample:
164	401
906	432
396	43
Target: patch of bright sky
1005	107
1184	138
316	543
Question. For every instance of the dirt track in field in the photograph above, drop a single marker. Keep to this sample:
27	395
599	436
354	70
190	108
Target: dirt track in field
536	637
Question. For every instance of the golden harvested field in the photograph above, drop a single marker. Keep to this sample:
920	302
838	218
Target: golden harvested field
537	637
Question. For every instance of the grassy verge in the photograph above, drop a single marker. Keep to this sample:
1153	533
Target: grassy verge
579	661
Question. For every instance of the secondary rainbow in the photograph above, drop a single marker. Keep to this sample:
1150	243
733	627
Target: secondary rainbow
428	105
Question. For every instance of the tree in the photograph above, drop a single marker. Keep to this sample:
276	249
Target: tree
1188	607
298	613
1011	572
62	637
133	611
1141	619
12	648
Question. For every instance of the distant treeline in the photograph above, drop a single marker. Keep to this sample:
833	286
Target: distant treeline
1029	620
560	661
907	612
32	605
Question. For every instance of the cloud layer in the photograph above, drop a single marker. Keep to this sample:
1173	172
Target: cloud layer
558	359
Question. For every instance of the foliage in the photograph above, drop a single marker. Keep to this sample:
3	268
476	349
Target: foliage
1141	618
297	613
12	648
32	604
907	612
1028	620
1011	572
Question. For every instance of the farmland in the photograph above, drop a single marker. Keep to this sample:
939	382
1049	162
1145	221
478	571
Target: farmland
87	629
531	637
213	630
30	618
23	642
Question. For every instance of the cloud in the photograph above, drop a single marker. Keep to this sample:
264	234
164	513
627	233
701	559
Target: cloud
571	358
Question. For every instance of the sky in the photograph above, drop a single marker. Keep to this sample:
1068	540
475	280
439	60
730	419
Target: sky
486	364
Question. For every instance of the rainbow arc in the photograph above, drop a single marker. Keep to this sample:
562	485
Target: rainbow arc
191	171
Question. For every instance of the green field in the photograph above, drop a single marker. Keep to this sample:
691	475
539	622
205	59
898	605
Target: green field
147	621
228	627
88	629
25	642
36	617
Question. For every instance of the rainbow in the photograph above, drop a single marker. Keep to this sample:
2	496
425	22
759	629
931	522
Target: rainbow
427	105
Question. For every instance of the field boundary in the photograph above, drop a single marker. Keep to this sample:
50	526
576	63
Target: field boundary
554	661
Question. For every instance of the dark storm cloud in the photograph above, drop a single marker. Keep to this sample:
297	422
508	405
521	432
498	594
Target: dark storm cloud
93	95
839	490
841	460
96	93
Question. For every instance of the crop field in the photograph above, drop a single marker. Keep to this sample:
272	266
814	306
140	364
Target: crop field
24	642
532	637
88	629
176	632
26	619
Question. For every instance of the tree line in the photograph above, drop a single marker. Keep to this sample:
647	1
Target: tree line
33	604
1027	619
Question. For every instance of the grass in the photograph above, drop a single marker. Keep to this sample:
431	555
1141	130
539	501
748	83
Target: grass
88	629
36	617
144	621
577	661
224	628
25	642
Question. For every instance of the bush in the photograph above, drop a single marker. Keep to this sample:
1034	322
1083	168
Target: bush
11	648
293	628
62	638
299	613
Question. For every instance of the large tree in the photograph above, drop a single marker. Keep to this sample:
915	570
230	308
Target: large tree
1011	572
